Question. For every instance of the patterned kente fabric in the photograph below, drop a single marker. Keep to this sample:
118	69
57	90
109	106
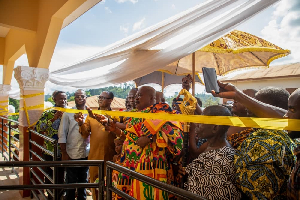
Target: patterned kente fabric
294	181
212	175
49	127
150	160
264	161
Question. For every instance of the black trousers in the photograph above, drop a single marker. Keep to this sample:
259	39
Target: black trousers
77	175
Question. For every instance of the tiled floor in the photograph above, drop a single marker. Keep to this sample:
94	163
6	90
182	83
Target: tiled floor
7	177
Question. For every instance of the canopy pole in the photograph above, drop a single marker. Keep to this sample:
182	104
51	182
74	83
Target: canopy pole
162	81
193	72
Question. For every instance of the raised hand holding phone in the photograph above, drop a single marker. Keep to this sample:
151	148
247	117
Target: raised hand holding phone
210	80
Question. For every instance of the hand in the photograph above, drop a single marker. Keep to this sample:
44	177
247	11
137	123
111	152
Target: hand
57	115
101	118
65	156
227	90
143	141
79	118
90	111
111	126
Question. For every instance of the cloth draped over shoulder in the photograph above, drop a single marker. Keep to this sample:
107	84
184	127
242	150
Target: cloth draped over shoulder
152	159
264	161
49	127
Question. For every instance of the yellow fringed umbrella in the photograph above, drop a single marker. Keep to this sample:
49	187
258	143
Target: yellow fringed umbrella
234	51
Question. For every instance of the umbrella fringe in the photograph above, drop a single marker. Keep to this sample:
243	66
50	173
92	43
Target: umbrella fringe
240	69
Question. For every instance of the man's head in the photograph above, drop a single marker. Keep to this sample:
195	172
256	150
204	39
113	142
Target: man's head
80	98
131	97
274	96
59	98
175	104
207	131
160	97
145	97
186	82
239	109
294	105
105	99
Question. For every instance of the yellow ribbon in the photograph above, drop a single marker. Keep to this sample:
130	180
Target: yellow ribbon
33	107
265	123
31	95
4	101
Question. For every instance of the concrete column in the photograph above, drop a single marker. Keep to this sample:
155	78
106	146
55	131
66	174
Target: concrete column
32	82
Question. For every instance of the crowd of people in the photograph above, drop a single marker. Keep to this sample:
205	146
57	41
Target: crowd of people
223	162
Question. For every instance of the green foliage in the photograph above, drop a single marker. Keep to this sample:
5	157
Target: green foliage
15	103
120	91
50	100
207	99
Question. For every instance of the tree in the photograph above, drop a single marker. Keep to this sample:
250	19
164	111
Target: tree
15	103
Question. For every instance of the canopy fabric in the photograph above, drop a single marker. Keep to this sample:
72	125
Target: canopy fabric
170	40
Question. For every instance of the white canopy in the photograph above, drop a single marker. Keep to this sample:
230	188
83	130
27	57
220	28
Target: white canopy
159	45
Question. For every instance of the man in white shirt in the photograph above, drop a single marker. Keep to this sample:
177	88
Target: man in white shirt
74	147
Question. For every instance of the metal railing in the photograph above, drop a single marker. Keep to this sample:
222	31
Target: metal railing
9	141
6	144
33	173
178	192
34	186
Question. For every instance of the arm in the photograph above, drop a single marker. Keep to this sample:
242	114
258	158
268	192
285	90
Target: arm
64	154
62	136
113	128
85	128
258	108
194	150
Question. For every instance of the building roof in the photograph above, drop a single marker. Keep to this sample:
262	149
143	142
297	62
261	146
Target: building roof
92	102
280	71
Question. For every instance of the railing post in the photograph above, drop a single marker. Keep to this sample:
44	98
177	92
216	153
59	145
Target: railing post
55	172
2	135
101	183
108	182
9	141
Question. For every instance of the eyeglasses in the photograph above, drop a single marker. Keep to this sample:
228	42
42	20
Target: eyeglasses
102	98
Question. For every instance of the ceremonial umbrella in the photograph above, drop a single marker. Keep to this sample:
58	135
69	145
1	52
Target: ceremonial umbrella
234	51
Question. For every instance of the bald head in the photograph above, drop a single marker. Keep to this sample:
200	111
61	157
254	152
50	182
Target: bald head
145	97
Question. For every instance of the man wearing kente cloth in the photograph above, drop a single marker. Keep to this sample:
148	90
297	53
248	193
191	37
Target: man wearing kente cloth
146	145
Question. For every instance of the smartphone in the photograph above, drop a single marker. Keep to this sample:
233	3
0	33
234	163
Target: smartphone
210	80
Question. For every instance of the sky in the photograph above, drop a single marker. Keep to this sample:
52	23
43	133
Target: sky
113	20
